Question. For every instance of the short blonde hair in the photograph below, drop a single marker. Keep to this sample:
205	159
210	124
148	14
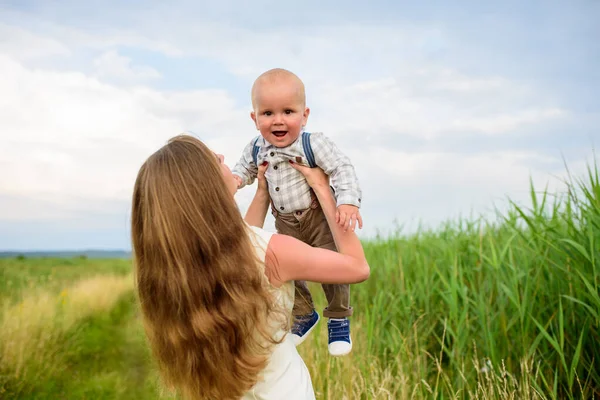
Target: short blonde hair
277	75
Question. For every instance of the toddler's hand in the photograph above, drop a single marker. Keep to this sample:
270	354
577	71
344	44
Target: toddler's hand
347	215
238	180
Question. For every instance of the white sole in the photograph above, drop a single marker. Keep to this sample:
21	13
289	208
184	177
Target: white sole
345	353
299	340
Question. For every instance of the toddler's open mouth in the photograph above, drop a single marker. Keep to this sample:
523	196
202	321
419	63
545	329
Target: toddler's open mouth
279	133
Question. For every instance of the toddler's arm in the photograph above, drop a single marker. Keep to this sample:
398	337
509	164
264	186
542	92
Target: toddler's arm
343	179
338	166
245	169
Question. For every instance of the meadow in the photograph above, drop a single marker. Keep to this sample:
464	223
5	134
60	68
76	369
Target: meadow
507	308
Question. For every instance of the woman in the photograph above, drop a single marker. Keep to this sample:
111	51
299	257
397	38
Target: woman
216	290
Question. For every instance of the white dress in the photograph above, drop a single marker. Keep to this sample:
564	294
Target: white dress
286	376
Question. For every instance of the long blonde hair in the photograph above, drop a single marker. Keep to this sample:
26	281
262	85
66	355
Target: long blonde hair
204	297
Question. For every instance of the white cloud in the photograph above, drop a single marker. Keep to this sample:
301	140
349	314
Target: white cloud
98	36
71	142
70	138
25	45
378	81
431	104
507	123
89	137
505	170
112	65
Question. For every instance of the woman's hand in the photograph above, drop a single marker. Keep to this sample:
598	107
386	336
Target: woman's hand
315	177
260	177
257	211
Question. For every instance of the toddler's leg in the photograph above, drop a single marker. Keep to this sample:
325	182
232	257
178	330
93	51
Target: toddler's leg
305	315
303	301
338	295
338	300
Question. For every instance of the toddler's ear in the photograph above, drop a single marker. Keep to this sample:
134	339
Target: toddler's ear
253	117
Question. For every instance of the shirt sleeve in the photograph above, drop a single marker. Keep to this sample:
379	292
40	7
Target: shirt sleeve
338	166
245	167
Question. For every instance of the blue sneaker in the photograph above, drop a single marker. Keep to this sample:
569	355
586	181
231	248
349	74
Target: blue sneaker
340	342
303	325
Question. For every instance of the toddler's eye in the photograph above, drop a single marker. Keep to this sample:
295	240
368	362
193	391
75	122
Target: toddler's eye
289	111
267	113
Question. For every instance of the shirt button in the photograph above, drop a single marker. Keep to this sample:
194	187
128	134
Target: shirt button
277	189
272	154
275	167
282	208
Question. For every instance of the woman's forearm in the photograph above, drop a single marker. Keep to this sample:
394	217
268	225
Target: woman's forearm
257	211
346	241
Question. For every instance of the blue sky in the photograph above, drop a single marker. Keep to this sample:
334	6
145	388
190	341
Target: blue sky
445	108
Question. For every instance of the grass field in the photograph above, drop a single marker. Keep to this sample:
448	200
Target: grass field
502	309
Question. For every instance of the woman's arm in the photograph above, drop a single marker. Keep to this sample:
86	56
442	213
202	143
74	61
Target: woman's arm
290	259
257	211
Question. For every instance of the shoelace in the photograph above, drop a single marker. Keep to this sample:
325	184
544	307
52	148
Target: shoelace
339	330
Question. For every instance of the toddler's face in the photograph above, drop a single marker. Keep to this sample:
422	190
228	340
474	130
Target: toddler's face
279	112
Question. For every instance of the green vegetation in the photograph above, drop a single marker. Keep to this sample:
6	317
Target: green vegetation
474	309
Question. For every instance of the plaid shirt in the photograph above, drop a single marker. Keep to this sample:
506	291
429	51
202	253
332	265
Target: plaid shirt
288	188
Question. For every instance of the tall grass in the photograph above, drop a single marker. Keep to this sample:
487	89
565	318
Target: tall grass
487	309
20	277
33	329
507	308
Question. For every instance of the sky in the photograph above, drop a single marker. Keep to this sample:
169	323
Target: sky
447	109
